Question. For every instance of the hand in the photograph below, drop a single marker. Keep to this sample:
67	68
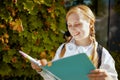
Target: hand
37	68
99	74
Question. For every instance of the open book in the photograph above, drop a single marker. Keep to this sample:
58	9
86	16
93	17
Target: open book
75	67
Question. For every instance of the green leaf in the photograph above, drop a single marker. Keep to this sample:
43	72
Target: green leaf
4	69
53	26
7	58
39	24
29	6
39	1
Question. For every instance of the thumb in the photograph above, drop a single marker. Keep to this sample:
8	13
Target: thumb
43	62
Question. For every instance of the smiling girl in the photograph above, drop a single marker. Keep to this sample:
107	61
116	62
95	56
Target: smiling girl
80	23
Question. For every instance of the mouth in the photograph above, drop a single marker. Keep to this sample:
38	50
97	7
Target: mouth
76	34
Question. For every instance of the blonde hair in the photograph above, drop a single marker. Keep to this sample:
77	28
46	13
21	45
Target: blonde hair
88	15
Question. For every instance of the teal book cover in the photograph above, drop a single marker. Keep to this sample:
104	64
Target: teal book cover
75	67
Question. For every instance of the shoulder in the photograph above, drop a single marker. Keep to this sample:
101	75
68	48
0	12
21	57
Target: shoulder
105	52
58	51
106	56
60	48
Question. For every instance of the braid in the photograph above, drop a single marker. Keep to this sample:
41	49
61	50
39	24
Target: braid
94	58
88	14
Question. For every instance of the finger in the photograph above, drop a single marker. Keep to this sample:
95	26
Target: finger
43	62
97	75
96	78
49	63
99	71
100	74
33	65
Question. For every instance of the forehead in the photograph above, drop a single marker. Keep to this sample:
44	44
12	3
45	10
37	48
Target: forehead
75	17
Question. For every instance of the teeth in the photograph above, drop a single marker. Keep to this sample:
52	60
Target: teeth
76	34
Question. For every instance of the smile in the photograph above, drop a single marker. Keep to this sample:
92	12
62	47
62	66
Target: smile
77	34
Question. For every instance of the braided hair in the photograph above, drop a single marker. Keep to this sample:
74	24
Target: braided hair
88	15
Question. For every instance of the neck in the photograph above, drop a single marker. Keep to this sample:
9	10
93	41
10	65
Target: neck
84	42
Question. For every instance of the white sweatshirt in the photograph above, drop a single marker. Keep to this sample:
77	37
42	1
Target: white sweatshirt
107	62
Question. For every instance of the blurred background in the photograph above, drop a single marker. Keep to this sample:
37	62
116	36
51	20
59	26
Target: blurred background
37	27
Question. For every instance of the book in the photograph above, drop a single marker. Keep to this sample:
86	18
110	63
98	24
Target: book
30	58
38	64
75	67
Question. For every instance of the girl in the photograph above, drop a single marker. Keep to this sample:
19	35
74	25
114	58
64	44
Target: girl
80	21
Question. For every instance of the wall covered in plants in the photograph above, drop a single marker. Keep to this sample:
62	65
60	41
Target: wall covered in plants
33	26
36	27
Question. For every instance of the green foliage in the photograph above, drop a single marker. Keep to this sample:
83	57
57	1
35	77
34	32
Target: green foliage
33	26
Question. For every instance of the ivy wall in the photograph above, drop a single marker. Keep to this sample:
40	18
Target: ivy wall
37	26
33	26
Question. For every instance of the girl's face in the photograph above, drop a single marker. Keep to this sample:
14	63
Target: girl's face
78	26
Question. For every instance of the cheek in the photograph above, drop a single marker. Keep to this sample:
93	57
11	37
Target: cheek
86	31
70	30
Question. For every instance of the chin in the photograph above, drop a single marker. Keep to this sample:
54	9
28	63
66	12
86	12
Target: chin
77	38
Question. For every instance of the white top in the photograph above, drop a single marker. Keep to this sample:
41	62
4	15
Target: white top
107	62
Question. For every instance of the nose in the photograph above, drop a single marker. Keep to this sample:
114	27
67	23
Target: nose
73	27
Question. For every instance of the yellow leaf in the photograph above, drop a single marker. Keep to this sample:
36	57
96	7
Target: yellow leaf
2	26
6	41
6	35
2	40
16	25
52	54
43	54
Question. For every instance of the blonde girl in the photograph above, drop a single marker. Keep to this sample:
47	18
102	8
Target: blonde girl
80	23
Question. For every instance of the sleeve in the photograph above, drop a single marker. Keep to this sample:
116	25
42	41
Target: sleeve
108	64
44	74
58	52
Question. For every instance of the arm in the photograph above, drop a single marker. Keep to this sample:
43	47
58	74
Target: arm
99	74
40	71
44	62
107	69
